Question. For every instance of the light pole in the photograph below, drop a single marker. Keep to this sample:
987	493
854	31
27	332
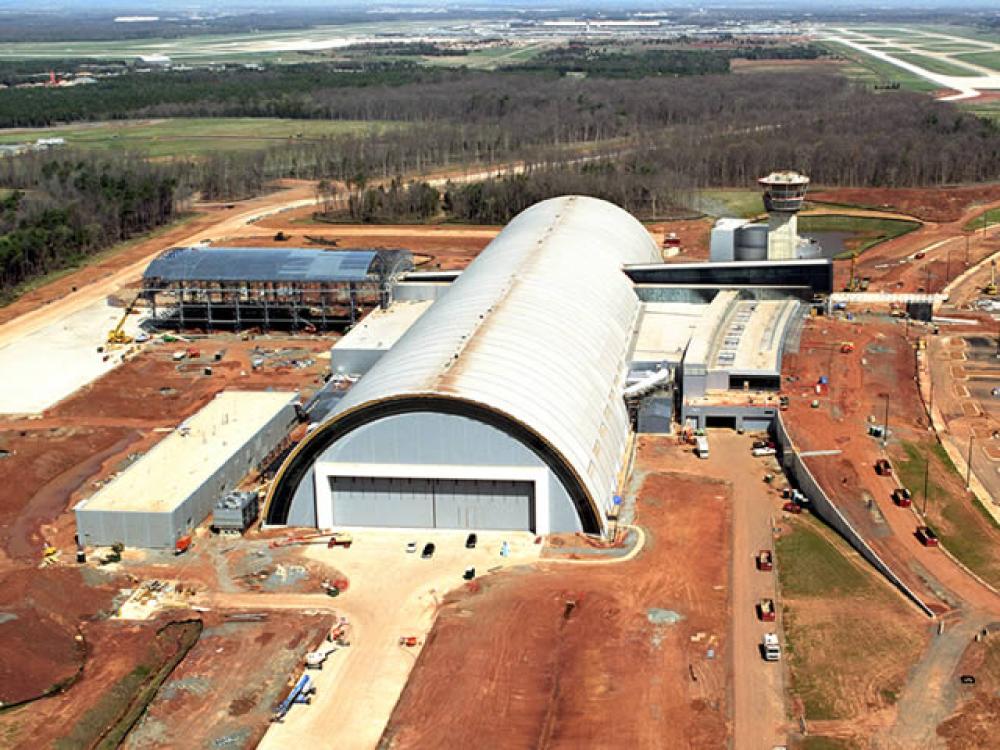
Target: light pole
927	468
885	425
966	249
968	463
947	267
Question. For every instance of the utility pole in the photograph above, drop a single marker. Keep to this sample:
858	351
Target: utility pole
947	267
885	426
927	284
968	463
927	469
966	249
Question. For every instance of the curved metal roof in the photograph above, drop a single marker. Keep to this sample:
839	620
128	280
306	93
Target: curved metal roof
537	329
277	264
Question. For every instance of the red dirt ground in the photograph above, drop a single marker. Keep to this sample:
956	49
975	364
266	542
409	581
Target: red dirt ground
883	363
519	661
229	682
937	205
38	649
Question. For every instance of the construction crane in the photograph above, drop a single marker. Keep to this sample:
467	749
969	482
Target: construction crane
117	334
853	284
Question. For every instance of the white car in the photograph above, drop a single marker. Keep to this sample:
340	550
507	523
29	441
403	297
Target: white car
411	546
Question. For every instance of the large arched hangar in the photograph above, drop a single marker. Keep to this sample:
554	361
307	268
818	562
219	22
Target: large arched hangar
501	407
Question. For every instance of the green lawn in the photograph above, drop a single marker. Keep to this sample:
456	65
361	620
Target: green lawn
962	524
873	72
935	65
869	231
489	58
987	218
813	566
986	59
849	638
191	136
743	203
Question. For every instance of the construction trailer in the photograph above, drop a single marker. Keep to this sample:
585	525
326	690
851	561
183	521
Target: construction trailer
236	288
172	488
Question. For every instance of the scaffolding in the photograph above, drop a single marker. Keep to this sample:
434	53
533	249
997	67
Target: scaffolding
239	288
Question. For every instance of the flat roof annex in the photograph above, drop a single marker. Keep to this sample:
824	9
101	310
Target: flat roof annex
184	460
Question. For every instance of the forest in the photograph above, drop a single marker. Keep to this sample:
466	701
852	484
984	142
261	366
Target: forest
641	143
63	210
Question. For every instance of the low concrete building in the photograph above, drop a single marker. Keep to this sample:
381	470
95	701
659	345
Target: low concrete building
173	488
354	354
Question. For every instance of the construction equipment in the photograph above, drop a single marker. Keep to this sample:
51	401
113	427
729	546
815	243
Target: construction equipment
315	659
852	284
846	347
117	334
340	539
301	692
317	538
182	545
765	610
765	560
991	288
408	640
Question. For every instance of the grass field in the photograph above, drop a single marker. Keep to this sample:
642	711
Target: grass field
873	72
989	60
490	58
936	65
742	203
987	219
190	136
867	231
272	45
850	639
965	528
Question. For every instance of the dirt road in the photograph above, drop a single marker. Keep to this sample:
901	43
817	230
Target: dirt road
359	685
758	687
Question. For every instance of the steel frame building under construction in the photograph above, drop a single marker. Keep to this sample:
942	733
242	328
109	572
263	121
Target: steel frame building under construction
269	288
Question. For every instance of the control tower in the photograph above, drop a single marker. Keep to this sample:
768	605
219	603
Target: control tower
784	193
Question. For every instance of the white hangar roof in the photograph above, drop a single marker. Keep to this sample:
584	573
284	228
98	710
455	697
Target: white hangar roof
538	329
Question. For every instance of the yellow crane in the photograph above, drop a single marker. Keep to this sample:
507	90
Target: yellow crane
117	334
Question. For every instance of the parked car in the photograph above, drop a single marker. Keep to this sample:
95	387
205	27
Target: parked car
411	546
883	468
470	541
765	610
792	508
927	536
428	550
902	497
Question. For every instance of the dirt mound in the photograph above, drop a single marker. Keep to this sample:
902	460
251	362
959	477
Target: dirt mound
40	616
614	655
929	204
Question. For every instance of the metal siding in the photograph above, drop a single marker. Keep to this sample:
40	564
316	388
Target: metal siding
537	328
432	438
433	503
261	264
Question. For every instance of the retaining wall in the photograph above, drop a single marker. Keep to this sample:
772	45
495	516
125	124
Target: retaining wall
795	466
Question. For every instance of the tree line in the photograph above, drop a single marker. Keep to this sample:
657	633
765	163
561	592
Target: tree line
62	210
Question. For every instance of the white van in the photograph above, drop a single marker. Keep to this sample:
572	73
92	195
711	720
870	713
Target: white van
701	446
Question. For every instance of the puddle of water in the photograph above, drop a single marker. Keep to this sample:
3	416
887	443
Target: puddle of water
663	616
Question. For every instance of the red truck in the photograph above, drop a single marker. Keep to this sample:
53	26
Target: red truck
902	497
883	468
765	610
765	560
927	536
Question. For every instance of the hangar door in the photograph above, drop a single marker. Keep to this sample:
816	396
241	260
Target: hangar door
433	503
